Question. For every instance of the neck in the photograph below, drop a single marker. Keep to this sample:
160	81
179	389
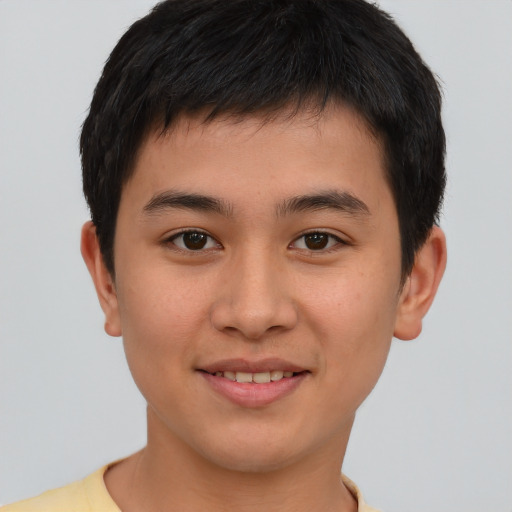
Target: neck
170	475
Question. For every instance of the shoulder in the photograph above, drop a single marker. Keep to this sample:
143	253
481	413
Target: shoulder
69	498
87	495
352	487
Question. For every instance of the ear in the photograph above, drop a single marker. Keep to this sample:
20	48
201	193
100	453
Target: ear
103	281
421	286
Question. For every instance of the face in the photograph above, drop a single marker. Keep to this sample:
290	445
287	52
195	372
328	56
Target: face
257	284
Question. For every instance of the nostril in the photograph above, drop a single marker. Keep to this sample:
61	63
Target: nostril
253	314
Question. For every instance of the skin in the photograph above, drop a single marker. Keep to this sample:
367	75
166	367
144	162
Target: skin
256	291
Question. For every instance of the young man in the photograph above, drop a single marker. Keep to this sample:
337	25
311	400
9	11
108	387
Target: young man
264	179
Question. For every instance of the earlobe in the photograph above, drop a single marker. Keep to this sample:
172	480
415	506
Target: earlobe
103	281
421	286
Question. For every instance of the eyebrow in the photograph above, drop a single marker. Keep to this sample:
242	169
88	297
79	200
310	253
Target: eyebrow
159	203
330	199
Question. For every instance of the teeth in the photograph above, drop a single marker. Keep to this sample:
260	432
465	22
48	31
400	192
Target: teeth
257	378
261	378
243	377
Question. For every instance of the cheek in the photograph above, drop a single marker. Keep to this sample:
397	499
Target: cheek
159	298
359	312
161	322
354	319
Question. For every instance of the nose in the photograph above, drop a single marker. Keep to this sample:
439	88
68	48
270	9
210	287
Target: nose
254	299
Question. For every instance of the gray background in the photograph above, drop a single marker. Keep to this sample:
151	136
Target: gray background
436	434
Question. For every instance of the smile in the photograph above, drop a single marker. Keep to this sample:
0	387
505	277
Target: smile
255	378
253	385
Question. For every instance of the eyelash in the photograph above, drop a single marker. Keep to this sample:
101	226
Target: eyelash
332	244
334	241
172	240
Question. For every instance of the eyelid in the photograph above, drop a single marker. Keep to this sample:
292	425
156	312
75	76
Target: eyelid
340	241
170	239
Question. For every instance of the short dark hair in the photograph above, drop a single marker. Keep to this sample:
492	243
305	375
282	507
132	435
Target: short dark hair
243	57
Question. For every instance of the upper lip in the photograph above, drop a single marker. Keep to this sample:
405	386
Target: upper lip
244	365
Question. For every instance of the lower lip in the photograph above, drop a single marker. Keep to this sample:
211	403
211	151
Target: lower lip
248	394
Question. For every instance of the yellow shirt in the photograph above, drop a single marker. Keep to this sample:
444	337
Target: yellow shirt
91	495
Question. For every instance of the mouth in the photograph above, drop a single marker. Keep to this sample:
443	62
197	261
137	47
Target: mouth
253	384
255	377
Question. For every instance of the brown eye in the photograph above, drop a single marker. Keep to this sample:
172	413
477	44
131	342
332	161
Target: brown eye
194	241
316	241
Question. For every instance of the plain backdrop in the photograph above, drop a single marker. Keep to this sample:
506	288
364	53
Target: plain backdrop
436	433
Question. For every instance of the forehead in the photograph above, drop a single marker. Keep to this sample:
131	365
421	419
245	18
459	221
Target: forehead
290	153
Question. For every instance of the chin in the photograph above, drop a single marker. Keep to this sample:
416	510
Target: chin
253	462
253	454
